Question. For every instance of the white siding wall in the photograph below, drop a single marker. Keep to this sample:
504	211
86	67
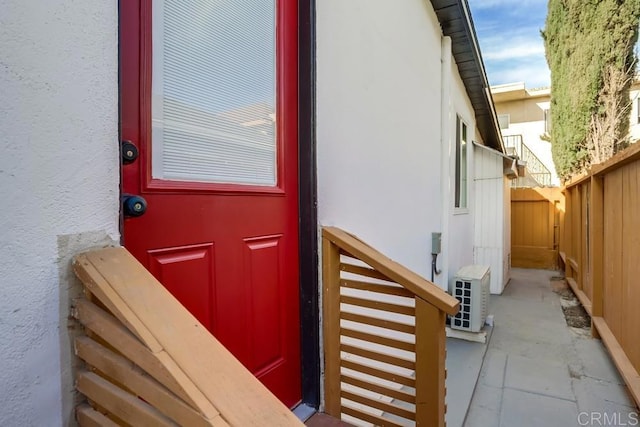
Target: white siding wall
378	124
59	185
490	221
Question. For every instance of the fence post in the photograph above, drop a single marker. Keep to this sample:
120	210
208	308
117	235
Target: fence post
331	323
579	238
430	365
596	257
568	231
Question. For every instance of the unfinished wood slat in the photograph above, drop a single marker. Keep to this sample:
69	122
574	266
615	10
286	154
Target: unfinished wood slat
378	404
533	257
385	375
381	323
630	154
89	417
630	251
96	284
227	384
627	335
159	365
430	365
596	238
628	372
614	253
389	342
380	357
563	256
415	283
377	305
568	235
122	404
385	391
574	265
363	271
331	321
132	377
377	288
585	273
370	418
578	235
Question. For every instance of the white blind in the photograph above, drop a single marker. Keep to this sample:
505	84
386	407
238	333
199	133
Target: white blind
213	91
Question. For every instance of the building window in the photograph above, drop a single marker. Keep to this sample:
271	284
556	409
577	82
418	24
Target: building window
461	164
503	121
547	121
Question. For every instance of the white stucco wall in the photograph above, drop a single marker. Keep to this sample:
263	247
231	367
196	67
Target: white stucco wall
459	250
378	124
59	187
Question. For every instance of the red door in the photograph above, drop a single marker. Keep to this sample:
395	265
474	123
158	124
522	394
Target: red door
209	97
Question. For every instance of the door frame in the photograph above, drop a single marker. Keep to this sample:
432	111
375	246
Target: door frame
307	204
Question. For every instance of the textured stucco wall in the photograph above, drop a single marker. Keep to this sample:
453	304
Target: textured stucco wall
378	124
58	177
461	221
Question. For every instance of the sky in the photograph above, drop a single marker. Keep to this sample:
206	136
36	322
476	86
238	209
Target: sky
510	40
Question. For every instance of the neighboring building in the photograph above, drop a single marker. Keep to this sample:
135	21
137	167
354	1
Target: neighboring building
634	124
525	121
229	206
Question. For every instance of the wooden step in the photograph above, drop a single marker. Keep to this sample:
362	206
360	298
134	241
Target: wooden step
323	420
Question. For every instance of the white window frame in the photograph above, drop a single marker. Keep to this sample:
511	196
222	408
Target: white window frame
461	167
503	117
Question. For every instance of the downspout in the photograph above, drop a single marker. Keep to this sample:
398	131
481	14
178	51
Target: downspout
445	149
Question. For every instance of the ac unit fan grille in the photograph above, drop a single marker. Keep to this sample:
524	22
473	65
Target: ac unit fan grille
463	295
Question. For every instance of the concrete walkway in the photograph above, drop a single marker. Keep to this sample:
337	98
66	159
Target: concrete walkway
538	372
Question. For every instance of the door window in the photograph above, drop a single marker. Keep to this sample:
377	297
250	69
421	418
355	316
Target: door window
214	91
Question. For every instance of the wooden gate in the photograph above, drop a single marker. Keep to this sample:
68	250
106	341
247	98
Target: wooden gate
535	221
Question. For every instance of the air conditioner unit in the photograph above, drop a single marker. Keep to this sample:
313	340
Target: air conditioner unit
471	287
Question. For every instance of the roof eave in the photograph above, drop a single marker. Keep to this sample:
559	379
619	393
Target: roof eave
456	22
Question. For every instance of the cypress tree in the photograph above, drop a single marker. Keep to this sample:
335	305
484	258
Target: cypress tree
586	42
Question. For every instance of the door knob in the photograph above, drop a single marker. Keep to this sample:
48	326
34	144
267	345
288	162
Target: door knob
133	205
129	152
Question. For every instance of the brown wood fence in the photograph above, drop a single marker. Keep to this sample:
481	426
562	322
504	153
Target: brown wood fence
535	222
600	249
384	333
149	362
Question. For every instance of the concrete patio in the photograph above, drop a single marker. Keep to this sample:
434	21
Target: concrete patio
535	370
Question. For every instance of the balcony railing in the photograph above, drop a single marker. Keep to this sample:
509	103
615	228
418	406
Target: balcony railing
384	337
535	168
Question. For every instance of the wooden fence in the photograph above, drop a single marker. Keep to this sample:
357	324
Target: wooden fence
600	248
535	223
384	337
149	362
